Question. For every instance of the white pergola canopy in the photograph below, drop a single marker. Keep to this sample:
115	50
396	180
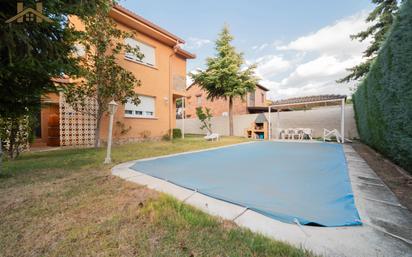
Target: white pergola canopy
306	101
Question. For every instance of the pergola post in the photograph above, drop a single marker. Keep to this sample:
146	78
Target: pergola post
342	120
278	124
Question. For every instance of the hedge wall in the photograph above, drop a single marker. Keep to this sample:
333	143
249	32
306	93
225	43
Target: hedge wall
383	101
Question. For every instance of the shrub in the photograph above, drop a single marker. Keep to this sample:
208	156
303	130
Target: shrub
383	101
177	133
166	137
205	118
15	135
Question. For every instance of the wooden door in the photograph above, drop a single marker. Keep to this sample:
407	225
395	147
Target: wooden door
53	126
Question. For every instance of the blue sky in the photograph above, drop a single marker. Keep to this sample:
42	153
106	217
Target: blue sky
300	47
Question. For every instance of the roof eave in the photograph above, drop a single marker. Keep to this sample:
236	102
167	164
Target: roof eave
185	54
120	13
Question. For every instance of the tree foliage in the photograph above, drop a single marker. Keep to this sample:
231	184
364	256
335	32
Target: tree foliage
204	117
225	76
382	18
103	78
383	101
32	53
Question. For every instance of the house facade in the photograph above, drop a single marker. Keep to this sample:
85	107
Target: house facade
162	73
197	97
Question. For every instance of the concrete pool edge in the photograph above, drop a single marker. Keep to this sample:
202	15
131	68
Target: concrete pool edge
371	239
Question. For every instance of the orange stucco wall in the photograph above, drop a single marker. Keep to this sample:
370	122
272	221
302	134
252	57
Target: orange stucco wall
220	106
155	82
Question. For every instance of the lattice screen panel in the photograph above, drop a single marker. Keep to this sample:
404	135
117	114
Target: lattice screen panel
77	128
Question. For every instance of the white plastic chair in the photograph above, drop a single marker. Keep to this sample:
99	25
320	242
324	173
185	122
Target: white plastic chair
290	133
328	134
307	132
212	137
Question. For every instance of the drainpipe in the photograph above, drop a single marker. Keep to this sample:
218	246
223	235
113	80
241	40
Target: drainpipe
175	48
183	116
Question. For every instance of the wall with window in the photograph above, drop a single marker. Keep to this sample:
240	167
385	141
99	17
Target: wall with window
155	114
145	109
197	97
148	51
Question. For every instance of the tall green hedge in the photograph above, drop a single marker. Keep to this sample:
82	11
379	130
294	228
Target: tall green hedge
383	101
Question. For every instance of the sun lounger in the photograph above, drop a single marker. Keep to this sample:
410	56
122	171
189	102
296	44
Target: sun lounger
328	134
212	137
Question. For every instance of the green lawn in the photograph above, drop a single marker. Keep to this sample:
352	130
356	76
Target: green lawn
66	203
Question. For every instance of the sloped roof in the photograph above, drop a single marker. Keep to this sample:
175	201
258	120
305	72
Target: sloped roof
261	118
309	99
147	22
262	87
129	18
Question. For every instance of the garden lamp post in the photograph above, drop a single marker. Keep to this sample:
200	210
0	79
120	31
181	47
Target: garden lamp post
112	111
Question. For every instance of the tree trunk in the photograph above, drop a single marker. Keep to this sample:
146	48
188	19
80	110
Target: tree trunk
230	116
97	131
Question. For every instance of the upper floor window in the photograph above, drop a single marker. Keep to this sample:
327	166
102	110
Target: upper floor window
146	108
199	100
263	98
252	98
147	50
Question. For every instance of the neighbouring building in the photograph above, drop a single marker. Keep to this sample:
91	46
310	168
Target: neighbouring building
253	102
163	80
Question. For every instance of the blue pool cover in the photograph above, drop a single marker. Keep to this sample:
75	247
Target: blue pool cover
304	182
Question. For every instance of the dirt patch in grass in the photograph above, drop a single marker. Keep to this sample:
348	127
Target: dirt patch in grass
398	180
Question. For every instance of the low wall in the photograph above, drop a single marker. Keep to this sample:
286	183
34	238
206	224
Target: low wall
316	119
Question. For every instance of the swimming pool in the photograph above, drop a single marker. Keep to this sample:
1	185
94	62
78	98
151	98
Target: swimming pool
293	182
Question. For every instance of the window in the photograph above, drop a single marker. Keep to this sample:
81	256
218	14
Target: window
263	98
148	52
252	98
199	100
146	108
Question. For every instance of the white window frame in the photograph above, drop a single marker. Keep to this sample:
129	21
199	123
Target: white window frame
146	109
146	49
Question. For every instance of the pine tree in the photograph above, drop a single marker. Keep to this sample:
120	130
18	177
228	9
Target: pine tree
382	18
225	77
104	79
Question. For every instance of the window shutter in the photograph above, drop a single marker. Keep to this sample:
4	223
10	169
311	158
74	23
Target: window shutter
148	52
146	108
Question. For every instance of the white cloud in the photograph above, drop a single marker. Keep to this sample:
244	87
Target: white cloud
324	57
333	39
196	43
271	64
315	77
260	47
321	67
189	80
